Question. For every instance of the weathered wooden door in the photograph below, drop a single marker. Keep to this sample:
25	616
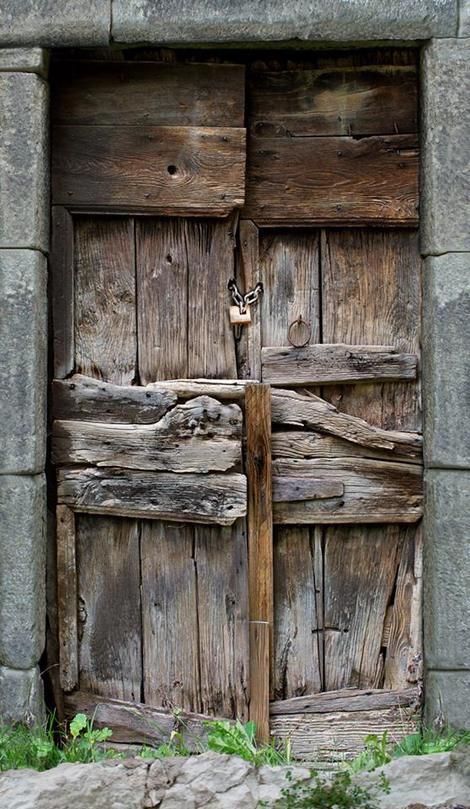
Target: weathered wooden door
157	203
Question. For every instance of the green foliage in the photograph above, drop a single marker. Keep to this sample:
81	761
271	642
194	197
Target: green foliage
237	739
379	750
375	754
319	793
174	747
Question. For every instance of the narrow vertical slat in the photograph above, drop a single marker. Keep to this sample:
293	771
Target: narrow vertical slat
61	263
249	347
67	598
260	549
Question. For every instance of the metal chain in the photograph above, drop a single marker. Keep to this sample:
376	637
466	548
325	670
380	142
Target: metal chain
242	301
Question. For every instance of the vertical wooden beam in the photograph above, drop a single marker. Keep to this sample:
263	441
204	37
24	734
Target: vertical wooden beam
260	551
67	598
250	346
62	269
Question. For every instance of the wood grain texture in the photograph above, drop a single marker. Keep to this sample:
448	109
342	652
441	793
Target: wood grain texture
109	606
374	491
86	399
209	498
368	96
104	312
227	390
333	363
346	699
67	598
139	94
221	568
178	170
309	445
169	617
372	294
249	274
334	181
260	657
62	285
290	272
291	489
201	435
298	645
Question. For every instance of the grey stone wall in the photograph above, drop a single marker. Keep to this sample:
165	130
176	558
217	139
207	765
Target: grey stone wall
24	236
446	375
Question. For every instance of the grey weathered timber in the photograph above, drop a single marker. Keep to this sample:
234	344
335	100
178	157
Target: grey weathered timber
445	206
158	21
24	187
335	363
24	60
23	365
447	699
209	498
49	23
21	696
447	569
291	489
446	360
22	570
346	699
306	445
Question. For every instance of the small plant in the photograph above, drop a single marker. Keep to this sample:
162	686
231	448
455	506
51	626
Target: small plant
83	740
174	747
375	754
319	793
430	741
237	739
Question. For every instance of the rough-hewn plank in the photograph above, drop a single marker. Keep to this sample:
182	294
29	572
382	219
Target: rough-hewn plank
288	489
109	606
221	569
182	170
169	617
260	656
315	413
136	723
193	498
104	311
248	273
372	294
335	99
290	273
298	652
67	598
307	445
86	399
201	435
231	390
62	283
374	491
136	94
346	699
333	363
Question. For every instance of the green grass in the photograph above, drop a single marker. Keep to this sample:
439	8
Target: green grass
379	750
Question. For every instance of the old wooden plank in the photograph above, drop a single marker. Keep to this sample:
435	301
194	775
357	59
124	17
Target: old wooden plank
260	547
143	93
137	723
374	491
289	489
169	616
67	603
346	699
248	272
182	170
372	294
209	498
290	273
333	363
221	569
328	739
334	99
201	435
298	410
334	181
62	285
109	606
231	390
298	652
86	399
105	321
307	445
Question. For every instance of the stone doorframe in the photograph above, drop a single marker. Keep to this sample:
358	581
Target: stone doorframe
28	29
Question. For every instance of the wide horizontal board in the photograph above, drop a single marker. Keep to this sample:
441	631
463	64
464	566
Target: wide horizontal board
333	180
374	492
346	699
299	410
201	435
87	399
306	445
288	489
212	498
329	364
184	170
335	99
135	94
